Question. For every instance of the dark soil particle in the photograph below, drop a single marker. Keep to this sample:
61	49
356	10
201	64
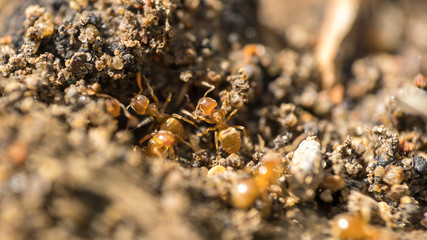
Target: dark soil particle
103	131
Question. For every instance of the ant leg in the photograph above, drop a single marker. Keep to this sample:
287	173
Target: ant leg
217	147
224	103
241	129
138	81
189	114
210	86
208	130
231	114
90	91
186	143
183	93
103	95
157	152
133	121
150	89
167	101
207	120
148	136
186	120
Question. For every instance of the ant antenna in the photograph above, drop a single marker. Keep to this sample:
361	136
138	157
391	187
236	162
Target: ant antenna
210	86
156	100
138	81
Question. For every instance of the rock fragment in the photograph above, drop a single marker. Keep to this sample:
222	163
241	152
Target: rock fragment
306	169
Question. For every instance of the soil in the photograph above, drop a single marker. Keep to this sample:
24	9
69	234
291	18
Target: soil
296	147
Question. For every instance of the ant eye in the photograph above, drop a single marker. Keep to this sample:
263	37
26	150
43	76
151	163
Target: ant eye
207	105
140	103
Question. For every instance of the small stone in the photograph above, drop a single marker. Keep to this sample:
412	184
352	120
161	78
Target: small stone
216	170
117	63
88	34
393	175
17	153
333	182
306	168
379	171
420	164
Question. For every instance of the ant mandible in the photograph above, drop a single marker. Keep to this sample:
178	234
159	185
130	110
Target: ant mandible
227	135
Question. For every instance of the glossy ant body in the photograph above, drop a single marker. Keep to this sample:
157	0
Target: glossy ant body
161	142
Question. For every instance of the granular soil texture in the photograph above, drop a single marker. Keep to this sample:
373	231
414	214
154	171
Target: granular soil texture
210	119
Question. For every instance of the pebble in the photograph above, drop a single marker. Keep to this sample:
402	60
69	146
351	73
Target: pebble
393	175
306	168
420	164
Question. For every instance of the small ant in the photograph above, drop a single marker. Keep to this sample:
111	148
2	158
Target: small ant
227	135
112	105
161	142
168	128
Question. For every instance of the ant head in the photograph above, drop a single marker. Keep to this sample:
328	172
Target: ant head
206	105
164	138
140	103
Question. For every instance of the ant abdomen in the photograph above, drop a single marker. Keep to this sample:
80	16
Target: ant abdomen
230	140
174	126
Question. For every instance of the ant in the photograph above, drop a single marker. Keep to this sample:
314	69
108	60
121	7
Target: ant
161	142
168	129
227	135
112	105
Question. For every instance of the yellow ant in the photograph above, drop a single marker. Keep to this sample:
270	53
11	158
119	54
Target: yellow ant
112	105
227	135
161	142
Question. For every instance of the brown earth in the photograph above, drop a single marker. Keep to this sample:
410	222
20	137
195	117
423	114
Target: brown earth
330	140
